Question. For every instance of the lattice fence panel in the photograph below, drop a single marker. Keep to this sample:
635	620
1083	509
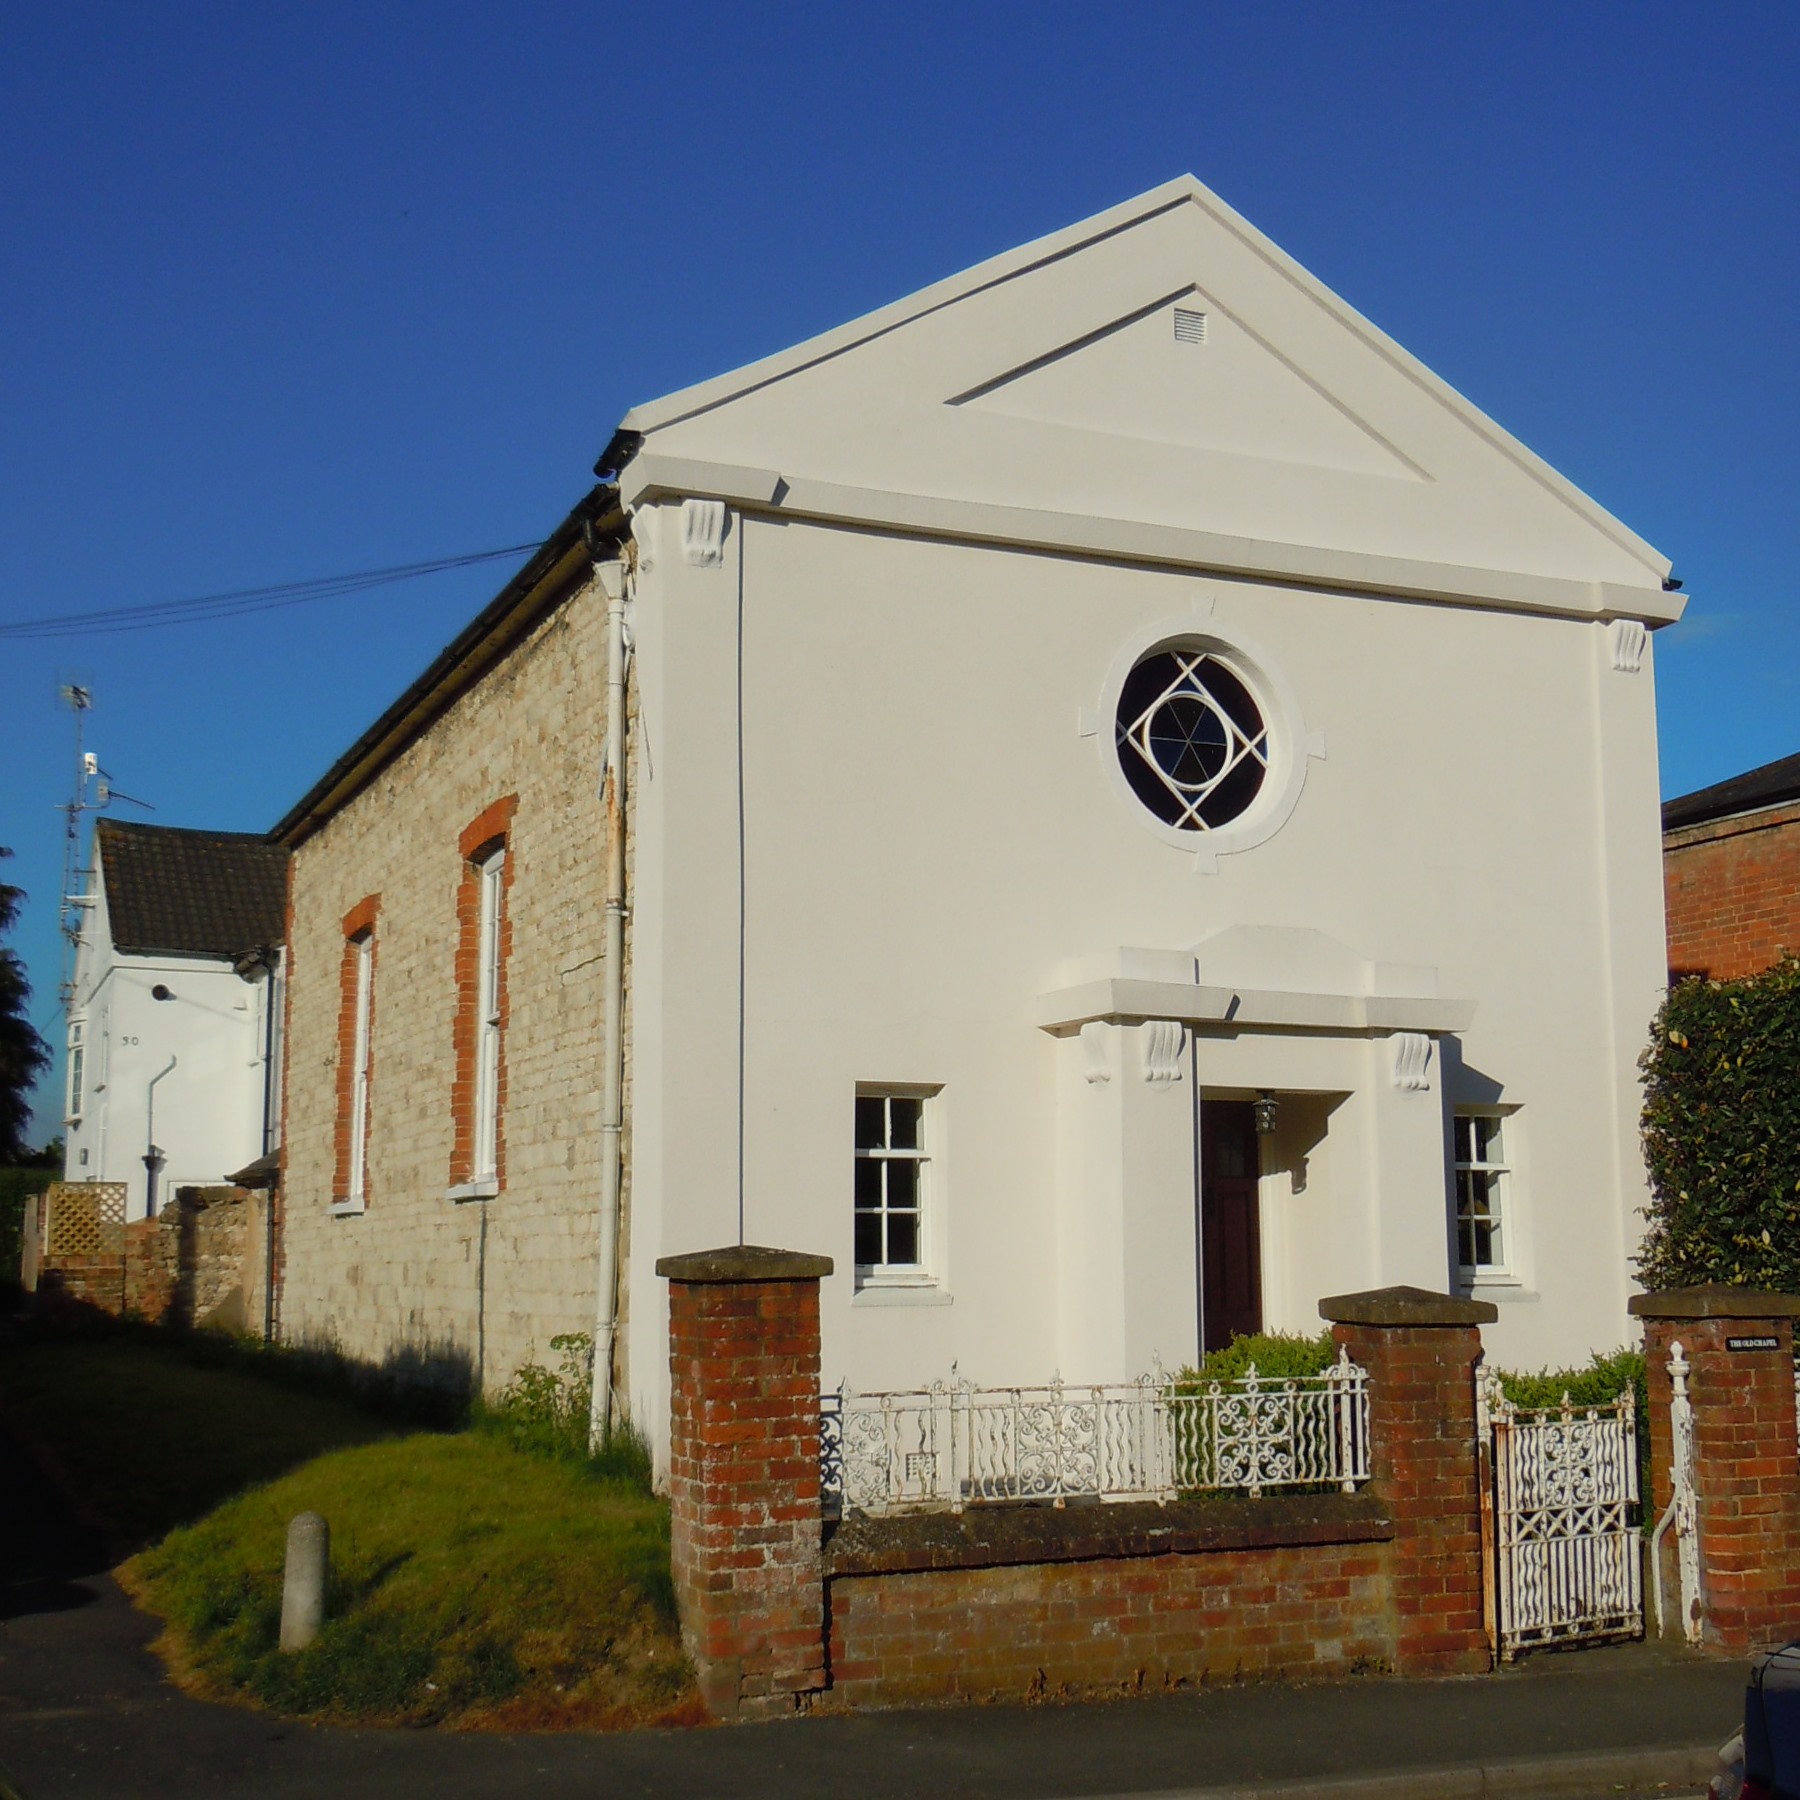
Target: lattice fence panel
87	1218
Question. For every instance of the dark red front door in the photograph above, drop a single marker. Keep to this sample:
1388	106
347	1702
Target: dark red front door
1230	1223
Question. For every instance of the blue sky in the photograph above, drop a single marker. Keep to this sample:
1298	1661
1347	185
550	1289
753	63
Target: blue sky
286	292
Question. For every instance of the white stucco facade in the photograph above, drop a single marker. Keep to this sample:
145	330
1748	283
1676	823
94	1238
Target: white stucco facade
187	1024
888	587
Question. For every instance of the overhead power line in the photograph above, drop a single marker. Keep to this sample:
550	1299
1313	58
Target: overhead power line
240	601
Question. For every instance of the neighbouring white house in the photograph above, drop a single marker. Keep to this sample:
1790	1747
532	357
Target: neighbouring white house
174	1023
1139	812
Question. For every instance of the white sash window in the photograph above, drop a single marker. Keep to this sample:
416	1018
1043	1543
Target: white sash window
363	948
492	875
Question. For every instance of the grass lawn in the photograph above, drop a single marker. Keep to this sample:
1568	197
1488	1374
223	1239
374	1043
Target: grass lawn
470	1584
473	1583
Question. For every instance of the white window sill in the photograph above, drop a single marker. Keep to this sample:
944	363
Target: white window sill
348	1209
897	1293
486	1188
1494	1285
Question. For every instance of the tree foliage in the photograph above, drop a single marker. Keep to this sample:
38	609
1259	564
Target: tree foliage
1722	1133
24	1055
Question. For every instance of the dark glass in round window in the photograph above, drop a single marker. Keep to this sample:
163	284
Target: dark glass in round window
1191	739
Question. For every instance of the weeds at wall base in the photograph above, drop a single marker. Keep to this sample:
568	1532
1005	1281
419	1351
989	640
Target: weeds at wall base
546	1412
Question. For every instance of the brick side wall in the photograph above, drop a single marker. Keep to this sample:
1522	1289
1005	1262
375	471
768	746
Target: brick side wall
480	1287
1731	893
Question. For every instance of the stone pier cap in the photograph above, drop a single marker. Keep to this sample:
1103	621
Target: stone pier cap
1406	1306
744	1262
1715	1300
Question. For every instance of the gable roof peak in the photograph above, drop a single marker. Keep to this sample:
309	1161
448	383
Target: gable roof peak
1044	383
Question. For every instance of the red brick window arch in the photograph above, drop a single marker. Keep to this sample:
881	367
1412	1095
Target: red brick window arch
356	1056
484	938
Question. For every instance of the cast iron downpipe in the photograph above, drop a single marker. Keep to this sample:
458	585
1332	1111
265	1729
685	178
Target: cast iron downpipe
153	1157
610	577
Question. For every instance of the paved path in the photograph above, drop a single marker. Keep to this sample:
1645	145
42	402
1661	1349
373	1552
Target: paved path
85	1714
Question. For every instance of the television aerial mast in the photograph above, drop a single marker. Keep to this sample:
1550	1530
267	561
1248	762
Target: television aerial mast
93	792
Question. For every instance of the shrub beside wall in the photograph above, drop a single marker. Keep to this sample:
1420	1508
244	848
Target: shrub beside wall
1722	1134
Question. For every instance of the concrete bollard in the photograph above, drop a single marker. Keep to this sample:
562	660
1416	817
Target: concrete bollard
303	1582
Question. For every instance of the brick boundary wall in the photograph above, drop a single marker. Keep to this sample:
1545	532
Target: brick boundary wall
1420	1350
1731	893
1022	1602
780	1612
745	1515
1746	1460
177	1268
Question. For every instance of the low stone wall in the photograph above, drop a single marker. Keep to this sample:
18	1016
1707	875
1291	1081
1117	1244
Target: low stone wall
199	1261
1010	1601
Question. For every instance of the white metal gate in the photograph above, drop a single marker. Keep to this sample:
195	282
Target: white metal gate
1558	1491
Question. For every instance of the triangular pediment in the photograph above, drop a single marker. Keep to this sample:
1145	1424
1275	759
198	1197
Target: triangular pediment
1182	371
1162	364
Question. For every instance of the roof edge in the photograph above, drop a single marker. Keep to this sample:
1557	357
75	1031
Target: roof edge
226	957
1768	785
478	648
104	827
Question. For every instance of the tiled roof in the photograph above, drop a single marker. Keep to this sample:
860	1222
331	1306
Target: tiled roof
1770	785
190	893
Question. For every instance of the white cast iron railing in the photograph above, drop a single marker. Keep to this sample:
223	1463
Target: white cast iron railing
954	1444
1682	1511
1564	1486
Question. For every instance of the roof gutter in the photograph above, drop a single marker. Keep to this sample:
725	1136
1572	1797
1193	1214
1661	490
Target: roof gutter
560	564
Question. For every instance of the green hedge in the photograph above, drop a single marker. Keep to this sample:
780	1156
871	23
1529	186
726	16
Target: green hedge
1599	1384
1722	1134
16	1187
1283	1354
1287	1355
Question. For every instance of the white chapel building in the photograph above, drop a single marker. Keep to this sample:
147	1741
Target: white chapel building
1107	687
1143	813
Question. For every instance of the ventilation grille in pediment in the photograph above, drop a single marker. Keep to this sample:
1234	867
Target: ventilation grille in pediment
1190	326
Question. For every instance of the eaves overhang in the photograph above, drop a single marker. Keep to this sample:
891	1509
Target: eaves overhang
652	476
554	569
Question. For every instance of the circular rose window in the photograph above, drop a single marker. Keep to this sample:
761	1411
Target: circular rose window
1191	739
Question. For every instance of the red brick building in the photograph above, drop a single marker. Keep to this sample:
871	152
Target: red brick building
1731	873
